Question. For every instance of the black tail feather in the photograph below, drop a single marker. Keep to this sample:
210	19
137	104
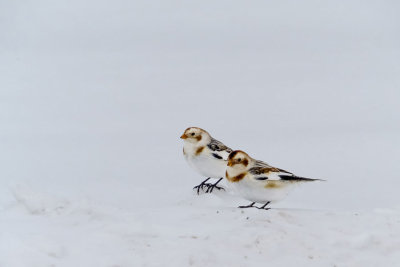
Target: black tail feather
297	178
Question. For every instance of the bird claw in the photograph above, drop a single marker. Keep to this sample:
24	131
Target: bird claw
210	188
248	206
201	185
263	207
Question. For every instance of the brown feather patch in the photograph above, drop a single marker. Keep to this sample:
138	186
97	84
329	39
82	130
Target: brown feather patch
236	178
233	154
273	184
198	137
245	162
268	170
198	151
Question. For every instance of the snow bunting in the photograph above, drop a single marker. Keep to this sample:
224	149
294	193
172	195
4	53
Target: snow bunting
205	155
257	181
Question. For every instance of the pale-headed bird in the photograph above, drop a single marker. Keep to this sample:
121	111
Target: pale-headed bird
205	155
257	181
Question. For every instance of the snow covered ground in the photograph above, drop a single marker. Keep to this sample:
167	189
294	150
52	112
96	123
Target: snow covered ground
198	231
95	94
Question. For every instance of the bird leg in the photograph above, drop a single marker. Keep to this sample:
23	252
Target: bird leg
202	184
264	206
248	206
210	187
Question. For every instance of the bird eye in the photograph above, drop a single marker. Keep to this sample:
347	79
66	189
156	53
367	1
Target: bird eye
192	134
239	159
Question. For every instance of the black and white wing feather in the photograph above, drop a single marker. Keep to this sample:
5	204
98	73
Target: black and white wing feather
218	149
261	164
275	174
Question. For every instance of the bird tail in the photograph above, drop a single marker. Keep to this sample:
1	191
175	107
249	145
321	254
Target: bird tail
298	178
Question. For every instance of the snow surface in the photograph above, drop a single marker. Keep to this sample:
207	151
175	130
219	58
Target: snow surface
95	94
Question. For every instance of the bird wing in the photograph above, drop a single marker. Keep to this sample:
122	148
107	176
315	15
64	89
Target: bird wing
218	149
276	174
261	164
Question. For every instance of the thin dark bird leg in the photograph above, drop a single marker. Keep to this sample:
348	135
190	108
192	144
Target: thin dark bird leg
201	185
212	186
264	206
248	206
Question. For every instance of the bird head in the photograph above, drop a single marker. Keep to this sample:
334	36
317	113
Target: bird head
238	160
196	135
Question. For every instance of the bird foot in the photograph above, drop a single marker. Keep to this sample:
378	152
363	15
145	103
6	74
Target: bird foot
210	188
202	185
248	206
261	208
264	207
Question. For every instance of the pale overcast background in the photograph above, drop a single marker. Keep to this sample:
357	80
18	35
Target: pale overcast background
95	94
